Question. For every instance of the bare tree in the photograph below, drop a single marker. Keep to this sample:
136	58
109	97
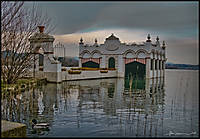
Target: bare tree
17	25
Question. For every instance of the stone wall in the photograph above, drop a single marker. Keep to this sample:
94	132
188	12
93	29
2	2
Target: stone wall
12	129
88	75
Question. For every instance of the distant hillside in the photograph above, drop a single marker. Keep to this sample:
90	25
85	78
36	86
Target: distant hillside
66	62
181	66
4	54
9	55
69	61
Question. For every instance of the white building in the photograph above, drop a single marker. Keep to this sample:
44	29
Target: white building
111	59
146	60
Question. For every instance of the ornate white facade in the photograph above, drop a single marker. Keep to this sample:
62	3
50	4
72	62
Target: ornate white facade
152	55
117	58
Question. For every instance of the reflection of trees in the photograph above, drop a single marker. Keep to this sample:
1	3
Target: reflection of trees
31	104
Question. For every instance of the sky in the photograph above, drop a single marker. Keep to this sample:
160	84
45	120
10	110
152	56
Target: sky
176	23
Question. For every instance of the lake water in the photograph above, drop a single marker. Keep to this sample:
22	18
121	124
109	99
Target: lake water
108	107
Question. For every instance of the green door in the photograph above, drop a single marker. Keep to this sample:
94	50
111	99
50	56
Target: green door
138	70
111	63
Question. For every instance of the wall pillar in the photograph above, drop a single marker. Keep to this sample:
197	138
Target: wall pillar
79	62
147	87
103	62
157	71
161	73
52	69
148	67
121	66
36	62
153	70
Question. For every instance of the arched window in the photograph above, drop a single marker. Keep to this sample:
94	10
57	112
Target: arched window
41	60
111	63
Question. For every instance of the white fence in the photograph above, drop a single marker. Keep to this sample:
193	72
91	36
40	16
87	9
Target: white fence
59	50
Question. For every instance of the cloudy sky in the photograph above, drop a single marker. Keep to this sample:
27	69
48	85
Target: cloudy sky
175	22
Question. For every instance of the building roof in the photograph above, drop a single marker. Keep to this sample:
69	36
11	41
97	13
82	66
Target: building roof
112	37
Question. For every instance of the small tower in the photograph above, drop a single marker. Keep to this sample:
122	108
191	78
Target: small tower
51	67
163	45
157	41
148	38
81	41
95	42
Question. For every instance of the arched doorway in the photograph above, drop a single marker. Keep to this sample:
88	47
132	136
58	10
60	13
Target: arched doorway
111	63
137	69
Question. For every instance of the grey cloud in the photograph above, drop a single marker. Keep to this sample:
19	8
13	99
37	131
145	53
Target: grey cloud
152	16
169	20
170	17
70	17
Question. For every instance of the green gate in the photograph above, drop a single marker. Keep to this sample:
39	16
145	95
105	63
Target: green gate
138	70
90	64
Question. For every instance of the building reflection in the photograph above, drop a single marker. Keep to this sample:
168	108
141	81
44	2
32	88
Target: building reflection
142	109
136	112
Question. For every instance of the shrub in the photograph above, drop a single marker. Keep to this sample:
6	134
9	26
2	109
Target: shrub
63	69
74	72
41	69
103	71
86	68
75	68
103	68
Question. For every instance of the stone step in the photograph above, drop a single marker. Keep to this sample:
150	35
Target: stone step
12	129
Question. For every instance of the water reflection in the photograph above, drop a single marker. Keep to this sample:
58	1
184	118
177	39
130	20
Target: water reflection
105	107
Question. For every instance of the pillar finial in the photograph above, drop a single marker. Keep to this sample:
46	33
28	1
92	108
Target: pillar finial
163	45
41	29
157	39
95	40
148	38
81	40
